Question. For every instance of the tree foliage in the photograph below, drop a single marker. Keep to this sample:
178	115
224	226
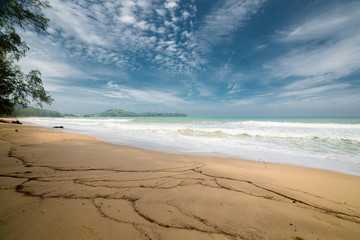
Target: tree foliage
16	87
34	112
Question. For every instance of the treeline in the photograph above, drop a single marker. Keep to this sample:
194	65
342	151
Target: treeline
34	112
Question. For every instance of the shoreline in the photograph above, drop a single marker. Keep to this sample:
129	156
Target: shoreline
53	181
301	159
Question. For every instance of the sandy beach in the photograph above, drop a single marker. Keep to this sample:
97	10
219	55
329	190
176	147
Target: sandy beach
56	185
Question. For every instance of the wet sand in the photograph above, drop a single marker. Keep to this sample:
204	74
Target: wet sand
55	185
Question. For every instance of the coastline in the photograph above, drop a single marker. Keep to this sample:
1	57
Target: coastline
328	144
59	185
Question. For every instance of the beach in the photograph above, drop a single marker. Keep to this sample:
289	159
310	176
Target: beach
57	185
323	143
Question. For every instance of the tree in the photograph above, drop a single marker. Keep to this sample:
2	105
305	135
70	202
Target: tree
17	88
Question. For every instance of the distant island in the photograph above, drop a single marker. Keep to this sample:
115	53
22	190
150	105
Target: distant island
35	112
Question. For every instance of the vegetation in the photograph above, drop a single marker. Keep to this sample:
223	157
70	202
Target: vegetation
16	87
34	112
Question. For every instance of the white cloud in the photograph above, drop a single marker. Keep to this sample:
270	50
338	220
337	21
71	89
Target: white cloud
314	90
227	18
52	69
338	22
309	82
121	32
143	96
341	59
128	19
48	57
249	101
339	55
185	15
158	57
234	87
74	22
204	90
325	49
170	5
262	46
161	12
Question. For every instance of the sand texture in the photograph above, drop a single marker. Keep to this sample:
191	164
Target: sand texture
55	185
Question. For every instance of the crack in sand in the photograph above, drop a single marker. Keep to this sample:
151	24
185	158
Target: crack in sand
342	215
317	196
21	189
192	171
135	225
345	216
215	229
186	227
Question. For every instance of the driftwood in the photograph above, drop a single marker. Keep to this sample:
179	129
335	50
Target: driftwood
16	122
58	127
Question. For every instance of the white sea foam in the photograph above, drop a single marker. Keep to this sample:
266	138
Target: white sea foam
323	143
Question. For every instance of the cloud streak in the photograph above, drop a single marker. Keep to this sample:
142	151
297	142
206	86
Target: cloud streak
172	53
142	96
324	50
122	32
227	17
338	22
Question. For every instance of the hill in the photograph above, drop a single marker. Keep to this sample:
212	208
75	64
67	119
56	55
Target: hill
35	112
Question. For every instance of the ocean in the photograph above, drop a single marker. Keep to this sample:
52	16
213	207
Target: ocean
324	143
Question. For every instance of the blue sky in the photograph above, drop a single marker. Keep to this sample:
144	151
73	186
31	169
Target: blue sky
201	57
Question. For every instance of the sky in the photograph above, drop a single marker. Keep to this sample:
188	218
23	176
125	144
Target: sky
230	58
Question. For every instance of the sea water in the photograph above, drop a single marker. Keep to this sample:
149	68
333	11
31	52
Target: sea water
325	143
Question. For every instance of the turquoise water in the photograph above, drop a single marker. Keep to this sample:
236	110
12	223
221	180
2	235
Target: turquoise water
326	143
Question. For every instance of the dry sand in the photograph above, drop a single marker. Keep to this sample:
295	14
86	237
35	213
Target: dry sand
56	185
